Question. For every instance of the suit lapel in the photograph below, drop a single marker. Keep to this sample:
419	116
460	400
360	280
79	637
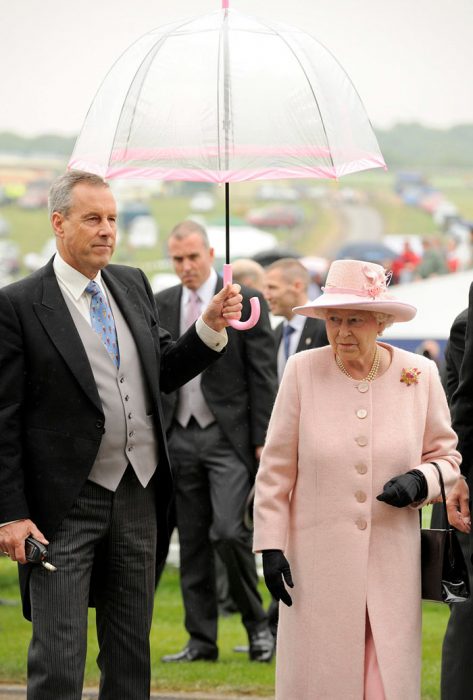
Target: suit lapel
278	335
306	339
170	311
56	320
127	298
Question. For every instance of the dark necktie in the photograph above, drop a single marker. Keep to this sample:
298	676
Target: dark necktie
103	322
287	332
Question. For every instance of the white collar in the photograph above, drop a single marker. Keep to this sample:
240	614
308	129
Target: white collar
74	281
297	322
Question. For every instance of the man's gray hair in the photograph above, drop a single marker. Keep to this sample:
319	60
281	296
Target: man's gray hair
187	228
60	192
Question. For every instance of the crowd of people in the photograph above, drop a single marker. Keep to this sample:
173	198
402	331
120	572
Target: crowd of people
125	415
436	258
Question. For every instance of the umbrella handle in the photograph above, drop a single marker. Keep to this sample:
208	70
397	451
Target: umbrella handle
254	302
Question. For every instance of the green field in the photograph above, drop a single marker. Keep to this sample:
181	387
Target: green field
233	674
321	230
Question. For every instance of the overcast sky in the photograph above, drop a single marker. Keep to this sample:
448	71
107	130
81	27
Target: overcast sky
410	60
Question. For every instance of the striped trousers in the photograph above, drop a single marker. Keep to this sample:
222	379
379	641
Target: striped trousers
107	545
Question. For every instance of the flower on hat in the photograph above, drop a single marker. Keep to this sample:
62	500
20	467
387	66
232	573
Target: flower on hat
377	281
410	376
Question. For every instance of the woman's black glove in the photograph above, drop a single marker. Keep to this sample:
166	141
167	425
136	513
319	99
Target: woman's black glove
405	489
276	570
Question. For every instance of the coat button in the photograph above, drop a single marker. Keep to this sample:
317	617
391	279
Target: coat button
362	413
363	387
361	440
126	397
99	424
361	524
360	496
361	468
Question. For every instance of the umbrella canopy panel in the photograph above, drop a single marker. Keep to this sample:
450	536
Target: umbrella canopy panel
222	98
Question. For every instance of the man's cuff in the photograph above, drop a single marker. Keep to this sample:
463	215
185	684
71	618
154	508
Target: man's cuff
216	340
9	522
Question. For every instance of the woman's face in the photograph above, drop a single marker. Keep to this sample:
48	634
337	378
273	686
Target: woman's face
352	334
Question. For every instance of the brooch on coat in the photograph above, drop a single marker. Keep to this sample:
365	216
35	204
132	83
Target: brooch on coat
410	376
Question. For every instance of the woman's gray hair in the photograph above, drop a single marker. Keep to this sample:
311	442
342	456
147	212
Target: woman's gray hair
60	193
379	316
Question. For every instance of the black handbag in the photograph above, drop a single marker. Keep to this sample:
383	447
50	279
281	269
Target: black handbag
443	567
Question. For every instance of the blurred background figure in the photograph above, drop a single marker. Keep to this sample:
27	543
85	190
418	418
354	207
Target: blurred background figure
404	266
286	285
248	272
433	260
216	426
432	350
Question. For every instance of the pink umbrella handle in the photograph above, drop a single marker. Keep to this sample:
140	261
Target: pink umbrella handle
254	303
225	4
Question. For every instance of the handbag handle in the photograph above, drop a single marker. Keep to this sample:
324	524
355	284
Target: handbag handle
442	491
444	498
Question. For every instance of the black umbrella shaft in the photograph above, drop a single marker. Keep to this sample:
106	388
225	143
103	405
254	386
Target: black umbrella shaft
227	223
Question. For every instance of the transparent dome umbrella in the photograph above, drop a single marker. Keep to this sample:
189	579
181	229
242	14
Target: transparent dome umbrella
226	97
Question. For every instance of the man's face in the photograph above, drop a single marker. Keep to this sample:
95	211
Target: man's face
191	259
86	237
280	294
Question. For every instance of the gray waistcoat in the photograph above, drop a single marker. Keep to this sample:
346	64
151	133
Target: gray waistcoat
129	426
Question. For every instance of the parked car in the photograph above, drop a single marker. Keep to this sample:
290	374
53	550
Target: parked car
276	216
277	193
9	257
4	228
35	197
202	202
129	211
143	232
33	261
371	251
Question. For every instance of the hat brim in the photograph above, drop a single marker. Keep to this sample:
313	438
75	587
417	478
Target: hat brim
317	308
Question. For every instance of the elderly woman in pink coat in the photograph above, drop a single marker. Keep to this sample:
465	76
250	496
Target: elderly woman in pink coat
347	461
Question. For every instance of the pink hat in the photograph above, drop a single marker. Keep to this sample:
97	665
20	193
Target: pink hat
354	284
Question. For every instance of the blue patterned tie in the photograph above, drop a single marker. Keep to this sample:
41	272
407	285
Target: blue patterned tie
103	322
287	332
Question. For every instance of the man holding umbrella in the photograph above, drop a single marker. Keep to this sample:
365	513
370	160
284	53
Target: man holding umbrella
84	466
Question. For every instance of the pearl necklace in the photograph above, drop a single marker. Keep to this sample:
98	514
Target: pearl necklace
371	374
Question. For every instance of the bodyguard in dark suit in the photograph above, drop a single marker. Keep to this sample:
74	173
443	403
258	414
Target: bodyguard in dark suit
217	426
457	649
83	458
285	286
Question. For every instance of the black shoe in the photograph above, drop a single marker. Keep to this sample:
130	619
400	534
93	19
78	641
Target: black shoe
261	646
191	654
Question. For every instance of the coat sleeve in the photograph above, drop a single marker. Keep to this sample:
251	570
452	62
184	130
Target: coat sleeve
180	360
440	440
454	354
13	504
277	472
462	399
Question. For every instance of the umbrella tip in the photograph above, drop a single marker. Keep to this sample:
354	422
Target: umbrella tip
225	4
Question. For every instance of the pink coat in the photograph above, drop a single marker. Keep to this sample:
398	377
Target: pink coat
330	448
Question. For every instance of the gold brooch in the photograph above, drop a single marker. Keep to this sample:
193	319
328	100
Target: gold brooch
410	376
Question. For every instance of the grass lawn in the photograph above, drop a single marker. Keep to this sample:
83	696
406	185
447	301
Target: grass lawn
233	673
